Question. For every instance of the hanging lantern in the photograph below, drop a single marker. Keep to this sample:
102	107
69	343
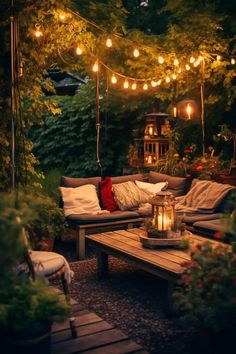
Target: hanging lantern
188	109
163	215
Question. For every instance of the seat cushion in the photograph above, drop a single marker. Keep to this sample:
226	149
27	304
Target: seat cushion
176	185
189	219
116	215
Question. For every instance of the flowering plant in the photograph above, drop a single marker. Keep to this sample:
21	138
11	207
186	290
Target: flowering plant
208	287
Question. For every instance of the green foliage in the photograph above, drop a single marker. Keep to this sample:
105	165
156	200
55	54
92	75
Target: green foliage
68	141
208	288
22	300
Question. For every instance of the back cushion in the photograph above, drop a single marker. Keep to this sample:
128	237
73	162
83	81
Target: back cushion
176	185
77	182
129	196
121	179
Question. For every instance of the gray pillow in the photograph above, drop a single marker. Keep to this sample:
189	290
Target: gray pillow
176	185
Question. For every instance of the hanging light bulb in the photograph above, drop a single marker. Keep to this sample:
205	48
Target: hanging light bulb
174	76
232	61
174	111
187	67
160	60
134	86
38	33
176	62
145	86
159	82
200	58
79	51
218	57
113	79
62	16
109	42
126	84
167	79
196	63
179	70
153	83
192	60
95	67
136	53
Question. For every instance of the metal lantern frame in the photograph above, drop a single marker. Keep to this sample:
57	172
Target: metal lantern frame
163	213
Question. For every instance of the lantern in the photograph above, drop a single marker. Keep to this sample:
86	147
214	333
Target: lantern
188	109
163	215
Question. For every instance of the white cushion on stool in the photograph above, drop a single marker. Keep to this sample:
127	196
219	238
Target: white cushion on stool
47	263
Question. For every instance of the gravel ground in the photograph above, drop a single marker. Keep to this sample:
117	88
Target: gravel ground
133	301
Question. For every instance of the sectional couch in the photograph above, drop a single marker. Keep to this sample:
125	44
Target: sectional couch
128	216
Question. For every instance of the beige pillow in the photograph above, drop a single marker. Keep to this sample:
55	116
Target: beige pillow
80	200
129	196
151	187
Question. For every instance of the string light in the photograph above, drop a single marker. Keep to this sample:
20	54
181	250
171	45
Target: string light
79	51
113	79
179	70
218	57
95	67
160	60
109	42
232	61
136	53
159	82
145	86
167	79
62	17
187	67
174	76
134	86
192	60
189	110
126	84
176	62
153	83
196	63
38	33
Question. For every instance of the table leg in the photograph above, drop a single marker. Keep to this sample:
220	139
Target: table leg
102	264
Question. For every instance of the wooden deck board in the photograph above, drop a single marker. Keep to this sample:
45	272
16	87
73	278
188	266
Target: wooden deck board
95	336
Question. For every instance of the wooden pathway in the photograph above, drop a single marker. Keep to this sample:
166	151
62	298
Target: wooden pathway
95	336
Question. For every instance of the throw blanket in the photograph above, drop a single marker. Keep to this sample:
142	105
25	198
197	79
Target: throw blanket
204	197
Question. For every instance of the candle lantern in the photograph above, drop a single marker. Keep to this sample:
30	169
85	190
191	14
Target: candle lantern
163	215
187	109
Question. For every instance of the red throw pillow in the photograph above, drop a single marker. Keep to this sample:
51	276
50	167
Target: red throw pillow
106	194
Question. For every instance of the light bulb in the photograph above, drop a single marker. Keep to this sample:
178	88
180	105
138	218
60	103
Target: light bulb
232	61
113	79
134	86
179	70
218	57
200	58
189	110
187	67
79	51
176	62
136	53
174	77
167	79
38	33
95	67
145	86
126	84
153	83
161	60
196	63
109	42
192	60
62	17
159	82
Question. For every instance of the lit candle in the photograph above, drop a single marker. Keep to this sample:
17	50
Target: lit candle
189	110
163	223
175	112
150	130
149	159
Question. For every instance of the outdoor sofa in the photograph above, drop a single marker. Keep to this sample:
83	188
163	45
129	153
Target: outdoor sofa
205	221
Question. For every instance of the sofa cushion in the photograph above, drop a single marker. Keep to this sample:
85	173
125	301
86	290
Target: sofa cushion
102	218
129	196
176	185
80	200
106	194
189	219
151	187
77	182
126	178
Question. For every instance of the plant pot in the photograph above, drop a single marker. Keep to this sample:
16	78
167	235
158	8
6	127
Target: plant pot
34	340
225	179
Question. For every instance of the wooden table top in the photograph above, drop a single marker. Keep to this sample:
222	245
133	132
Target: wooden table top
166	262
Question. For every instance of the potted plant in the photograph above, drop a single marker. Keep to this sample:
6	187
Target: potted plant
228	175
207	292
27	305
47	221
